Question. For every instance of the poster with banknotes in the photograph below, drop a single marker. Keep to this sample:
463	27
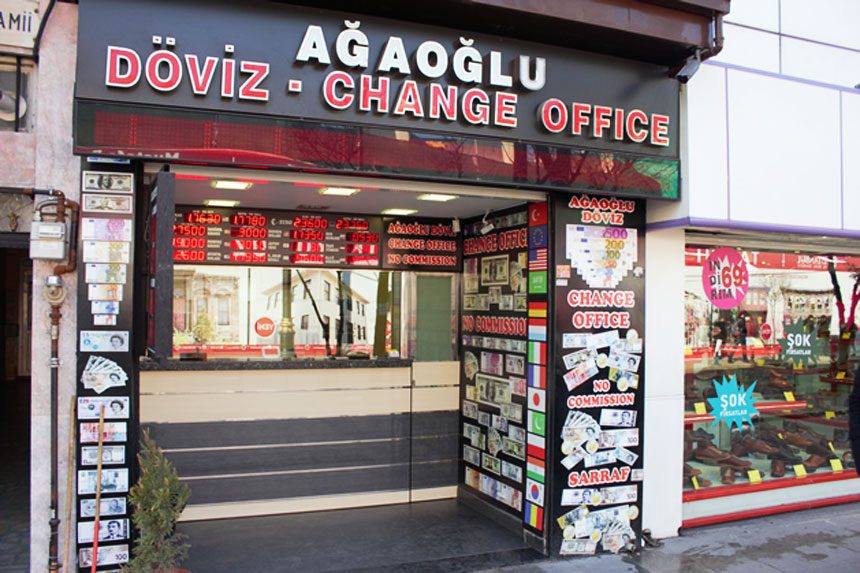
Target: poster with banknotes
599	289
493	358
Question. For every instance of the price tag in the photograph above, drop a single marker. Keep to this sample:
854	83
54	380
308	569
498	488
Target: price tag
700	408
829	415
789	396
695	482
840	375
755	476
800	471
779	434
836	464
832	449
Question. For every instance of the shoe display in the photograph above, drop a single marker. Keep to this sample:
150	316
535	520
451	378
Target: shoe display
727	475
690	471
814	462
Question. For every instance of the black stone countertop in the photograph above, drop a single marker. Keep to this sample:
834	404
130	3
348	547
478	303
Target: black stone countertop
191	365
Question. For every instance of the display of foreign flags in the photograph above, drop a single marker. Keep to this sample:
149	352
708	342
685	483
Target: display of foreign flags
536	469
537	214
536	446
537	376
537	329
537	399
537	352
534	492
538	259
533	515
537	310
537	423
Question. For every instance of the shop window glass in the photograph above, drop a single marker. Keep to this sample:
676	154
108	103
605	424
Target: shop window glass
15	88
434	315
769	362
238	312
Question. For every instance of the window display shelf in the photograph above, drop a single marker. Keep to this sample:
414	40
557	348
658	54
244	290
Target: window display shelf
769	510
762	406
766	484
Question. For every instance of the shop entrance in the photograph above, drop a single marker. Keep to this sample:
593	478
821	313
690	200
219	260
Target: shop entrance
15	323
321	358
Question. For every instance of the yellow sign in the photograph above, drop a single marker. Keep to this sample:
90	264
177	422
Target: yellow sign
800	471
829	415
832	449
836	464
755	476
840	375
695	482
700	408
789	396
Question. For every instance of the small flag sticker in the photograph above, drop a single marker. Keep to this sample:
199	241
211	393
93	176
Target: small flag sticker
534	491
537	376
533	515
537	329
537	310
538	259
537	214
536	446
537	352
537	422
537	399
536	469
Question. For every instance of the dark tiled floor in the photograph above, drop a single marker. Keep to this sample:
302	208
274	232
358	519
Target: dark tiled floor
431	536
14	477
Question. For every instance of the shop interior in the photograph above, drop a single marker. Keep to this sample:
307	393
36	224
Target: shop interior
794	345
273	433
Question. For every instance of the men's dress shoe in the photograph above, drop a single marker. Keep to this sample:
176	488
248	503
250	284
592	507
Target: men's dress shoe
787	455
818	449
690	471
710	455
795	439
848	460
777	468
814	462
727	475
739	449
701	434
753	444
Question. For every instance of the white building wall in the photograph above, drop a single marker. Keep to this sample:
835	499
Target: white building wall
771	123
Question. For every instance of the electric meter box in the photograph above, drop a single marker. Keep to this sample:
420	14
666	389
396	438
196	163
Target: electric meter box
48	241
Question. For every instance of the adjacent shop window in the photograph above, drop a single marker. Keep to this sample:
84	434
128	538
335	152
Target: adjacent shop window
769	361
280	313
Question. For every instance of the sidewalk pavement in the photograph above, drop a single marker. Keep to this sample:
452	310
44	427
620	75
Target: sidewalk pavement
825	539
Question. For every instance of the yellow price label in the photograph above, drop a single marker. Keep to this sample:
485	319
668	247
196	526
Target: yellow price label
800	471
700	408
832	449
695	482
840	375
779	434
755	476
789	396
836	464
829	415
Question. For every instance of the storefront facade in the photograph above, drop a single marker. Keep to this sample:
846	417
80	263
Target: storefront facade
461	222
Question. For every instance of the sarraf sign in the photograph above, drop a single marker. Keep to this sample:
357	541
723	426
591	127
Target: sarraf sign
289	61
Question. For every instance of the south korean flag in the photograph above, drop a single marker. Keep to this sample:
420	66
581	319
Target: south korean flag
534	492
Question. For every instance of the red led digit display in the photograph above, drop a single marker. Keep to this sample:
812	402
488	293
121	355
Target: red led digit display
356	224
248	245
203	218
249	232
307	235
362	237
184	229
366	261
307	259
188	255
248	257
189	243
362	249
307	247
248	219
310	223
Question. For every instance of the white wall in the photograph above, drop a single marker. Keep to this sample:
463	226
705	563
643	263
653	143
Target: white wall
664	387
771	130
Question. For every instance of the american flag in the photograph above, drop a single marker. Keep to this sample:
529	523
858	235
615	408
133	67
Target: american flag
537	259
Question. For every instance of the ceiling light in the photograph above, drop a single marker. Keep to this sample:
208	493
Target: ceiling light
401	212
338	191
220	203
231	185
438	197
